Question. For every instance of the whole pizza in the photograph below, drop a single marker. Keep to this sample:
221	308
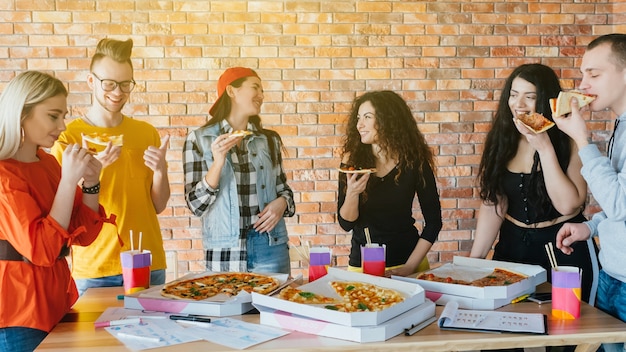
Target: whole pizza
499	277
354	297
231	284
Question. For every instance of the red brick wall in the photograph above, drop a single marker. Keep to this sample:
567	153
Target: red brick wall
447	58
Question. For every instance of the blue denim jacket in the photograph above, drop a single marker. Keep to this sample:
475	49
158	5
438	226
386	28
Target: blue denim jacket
220	224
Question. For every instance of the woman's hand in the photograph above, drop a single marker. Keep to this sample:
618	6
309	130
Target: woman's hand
221	145
356	183
271	215
538	141
79	163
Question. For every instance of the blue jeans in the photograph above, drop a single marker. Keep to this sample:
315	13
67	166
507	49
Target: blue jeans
157	277
263	258
19	339
612	300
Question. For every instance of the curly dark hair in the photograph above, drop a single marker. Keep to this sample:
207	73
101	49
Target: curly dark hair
223	107
398	135
502	140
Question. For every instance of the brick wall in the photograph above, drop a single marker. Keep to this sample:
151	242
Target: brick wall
447	58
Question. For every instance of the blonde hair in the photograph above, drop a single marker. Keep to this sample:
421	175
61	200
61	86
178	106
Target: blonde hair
17	101
117	50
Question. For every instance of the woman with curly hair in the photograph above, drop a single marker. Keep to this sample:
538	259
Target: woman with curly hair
530	184
381	133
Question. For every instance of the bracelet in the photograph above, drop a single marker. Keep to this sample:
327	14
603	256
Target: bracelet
95	189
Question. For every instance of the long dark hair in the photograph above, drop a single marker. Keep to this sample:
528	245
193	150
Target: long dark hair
223	107
502	140
398	135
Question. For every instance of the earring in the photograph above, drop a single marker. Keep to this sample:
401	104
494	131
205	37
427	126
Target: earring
22	135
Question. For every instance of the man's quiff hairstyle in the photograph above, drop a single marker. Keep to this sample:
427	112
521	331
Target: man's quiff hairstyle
617	41
119	51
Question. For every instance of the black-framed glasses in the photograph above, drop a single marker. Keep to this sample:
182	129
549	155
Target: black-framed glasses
109	85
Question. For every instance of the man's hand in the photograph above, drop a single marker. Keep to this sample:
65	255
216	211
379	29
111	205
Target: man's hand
570	233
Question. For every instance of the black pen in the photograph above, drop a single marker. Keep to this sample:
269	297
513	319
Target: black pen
190	318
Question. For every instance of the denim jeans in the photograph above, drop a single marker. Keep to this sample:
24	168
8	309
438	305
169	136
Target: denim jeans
263	258
19	339
157	277
612	300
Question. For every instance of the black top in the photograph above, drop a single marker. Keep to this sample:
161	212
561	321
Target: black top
520	207
386	208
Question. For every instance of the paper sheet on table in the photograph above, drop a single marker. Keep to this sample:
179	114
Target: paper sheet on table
168	332
236	333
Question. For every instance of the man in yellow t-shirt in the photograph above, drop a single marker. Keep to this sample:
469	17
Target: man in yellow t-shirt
134	181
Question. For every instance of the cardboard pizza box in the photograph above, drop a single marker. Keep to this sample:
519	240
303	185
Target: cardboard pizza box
467	268
218	306
374	333
413	294
442	299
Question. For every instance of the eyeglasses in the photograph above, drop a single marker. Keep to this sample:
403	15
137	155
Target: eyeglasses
109	85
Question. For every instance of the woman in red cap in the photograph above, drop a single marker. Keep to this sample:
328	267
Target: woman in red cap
234	180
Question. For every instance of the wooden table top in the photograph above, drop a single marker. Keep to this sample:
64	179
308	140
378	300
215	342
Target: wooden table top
77	333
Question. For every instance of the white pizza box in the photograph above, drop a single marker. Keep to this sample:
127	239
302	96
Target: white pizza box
442	299
413	296
465	268
218	306
376	333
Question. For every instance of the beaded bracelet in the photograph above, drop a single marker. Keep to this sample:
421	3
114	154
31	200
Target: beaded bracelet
95	189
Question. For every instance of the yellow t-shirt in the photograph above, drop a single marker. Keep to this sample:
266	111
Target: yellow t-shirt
125	192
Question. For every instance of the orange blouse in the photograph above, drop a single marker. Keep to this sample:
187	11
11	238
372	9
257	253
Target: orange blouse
38	294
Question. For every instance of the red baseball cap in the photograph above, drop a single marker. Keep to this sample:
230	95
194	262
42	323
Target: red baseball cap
229	76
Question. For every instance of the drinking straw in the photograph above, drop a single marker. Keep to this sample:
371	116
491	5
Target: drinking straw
551	256
302	255
140	240
368	239
132	243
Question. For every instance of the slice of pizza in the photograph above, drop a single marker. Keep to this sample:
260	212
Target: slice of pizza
535	122
561	105
293	294
240	133
355	170
96	142
361	296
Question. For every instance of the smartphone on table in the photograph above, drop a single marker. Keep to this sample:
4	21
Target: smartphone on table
540	297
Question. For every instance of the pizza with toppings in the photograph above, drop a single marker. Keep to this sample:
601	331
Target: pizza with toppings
354	297
293	294
240	133
356	170
535	122
498	277
231	284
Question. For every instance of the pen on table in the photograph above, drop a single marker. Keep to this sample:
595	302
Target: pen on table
137	337
146	316
520	298
102	324
190	318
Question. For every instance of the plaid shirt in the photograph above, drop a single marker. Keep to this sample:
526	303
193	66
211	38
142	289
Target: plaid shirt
200	196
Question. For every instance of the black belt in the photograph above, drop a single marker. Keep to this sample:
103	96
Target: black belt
8	252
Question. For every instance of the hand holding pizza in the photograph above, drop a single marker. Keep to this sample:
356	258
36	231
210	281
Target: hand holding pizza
574	125
221	145
538	141
356	183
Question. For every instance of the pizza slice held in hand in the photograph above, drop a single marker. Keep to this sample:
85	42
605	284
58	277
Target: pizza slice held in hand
535	122
355	170
561	105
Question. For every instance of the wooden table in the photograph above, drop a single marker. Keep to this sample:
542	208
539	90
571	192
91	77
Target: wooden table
593	328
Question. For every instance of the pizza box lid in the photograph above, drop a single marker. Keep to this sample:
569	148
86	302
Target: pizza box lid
469	268
442	299
220	305
422	314
413	293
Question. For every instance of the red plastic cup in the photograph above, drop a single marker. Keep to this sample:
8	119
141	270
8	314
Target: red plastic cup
136	270
373	259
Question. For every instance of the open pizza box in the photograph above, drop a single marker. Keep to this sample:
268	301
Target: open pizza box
413	318
413	294
218	306
471	297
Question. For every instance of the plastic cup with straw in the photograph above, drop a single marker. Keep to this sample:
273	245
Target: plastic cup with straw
372	256
136	266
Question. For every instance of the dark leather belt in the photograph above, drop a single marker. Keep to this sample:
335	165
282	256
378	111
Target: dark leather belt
8	252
